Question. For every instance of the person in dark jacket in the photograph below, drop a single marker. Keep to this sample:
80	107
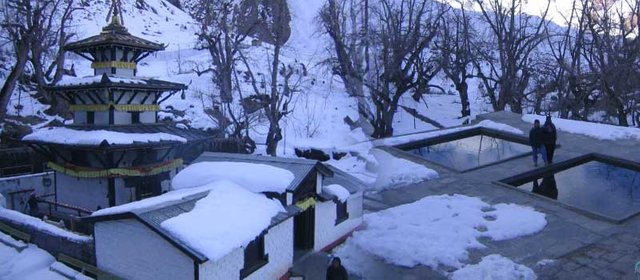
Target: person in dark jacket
536	139
551	137
336	271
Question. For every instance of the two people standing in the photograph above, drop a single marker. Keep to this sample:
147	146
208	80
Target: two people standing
543	140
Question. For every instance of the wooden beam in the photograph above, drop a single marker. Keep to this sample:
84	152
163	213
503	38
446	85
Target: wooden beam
133	96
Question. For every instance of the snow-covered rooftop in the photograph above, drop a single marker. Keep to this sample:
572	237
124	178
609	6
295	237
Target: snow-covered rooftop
33	222
68	136
256	177
229	217
78	81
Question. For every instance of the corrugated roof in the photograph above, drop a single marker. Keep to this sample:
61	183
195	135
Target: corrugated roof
299	167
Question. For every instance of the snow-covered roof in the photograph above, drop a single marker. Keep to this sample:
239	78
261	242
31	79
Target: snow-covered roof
232	216
300	168
337	191
256	177
177	216
68	136
114	34
105	80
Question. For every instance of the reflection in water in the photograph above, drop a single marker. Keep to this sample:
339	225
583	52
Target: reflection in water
594	186
547	187
471	152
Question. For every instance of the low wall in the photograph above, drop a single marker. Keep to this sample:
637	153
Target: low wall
55	244
15	184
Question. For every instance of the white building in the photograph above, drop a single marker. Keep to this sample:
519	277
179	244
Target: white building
319	207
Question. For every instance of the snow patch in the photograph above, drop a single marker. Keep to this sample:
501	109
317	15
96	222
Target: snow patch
494	267
63	135
436	231
394	172
595	130
40	225
338	191
235	217
253	176
29	263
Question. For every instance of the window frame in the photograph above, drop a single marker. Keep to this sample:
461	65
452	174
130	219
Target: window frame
342	211
253	265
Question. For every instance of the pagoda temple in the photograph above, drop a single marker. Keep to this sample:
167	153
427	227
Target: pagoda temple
116	151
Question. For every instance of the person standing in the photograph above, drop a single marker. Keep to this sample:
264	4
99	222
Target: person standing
536	139
550	138
336	271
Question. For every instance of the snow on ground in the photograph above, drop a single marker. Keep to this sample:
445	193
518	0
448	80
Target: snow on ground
30	263
402	139
435	231
355	166
36	223
63	135
494	267
394	172
595	130
243	214
255	177
339	191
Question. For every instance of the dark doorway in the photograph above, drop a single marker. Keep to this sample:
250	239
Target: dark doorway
303	231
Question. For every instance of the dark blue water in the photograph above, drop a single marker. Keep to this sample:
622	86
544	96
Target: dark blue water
595	187
471	152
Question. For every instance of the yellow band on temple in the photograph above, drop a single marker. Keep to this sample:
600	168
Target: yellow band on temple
117	107
136	171
305	204
114	64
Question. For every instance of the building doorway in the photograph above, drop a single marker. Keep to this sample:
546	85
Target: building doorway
303	232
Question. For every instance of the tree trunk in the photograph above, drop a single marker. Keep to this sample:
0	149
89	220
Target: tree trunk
12	79
462	89
274	135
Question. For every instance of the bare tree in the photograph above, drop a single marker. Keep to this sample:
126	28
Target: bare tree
220	34
613	53
506	67
397	52
456	55
37	32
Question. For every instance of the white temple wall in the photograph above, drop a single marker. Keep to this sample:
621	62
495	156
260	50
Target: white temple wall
121	117
278	244
17	184
130	250
148	117
123	195
101	118
80	117
88	193
327	232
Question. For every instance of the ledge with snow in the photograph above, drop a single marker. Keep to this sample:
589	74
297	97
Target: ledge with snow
230	216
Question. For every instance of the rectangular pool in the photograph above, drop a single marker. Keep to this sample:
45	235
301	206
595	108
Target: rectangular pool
602	188
471	152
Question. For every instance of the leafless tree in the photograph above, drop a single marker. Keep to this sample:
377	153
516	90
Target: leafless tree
456	55
396	49
36	31
613	53
507	50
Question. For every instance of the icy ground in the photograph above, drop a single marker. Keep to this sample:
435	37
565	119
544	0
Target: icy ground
438	232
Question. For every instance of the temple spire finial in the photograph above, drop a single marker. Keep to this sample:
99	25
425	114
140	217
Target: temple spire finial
115	13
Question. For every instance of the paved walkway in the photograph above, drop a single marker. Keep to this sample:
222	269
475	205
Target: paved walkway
581	247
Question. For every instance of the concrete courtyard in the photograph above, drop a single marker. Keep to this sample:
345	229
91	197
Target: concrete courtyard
582	247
